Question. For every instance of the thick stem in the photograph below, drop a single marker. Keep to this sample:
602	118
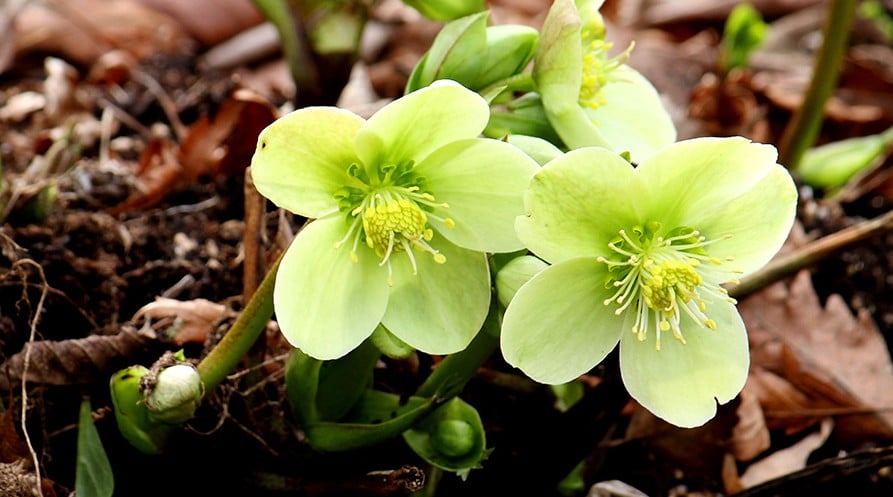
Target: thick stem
224	357
804	128
810	254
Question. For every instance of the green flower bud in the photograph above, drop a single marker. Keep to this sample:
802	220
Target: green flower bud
514	274
131	415
176	394
453	437
833	164
468	51
446	10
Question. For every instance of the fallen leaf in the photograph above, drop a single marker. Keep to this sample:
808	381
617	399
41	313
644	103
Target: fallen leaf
195	319
750	436
787	460
75	361
837	360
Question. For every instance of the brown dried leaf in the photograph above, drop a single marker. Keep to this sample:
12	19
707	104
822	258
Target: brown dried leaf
834	359
195	319
158	174
750	436
225	144
786	460
75	361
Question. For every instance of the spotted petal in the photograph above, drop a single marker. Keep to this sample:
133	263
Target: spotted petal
441	307
682	383
413	126
482	181
577	203
557	327
325	303
302	158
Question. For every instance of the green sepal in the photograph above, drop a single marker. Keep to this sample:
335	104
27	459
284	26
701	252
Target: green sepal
378	417
327	390
452	438
133	419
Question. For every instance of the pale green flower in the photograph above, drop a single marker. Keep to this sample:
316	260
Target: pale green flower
638	256
591	98
405	204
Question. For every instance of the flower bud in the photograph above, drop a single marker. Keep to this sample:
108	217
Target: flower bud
453	437
833	164
469	52
177	392
514	274
446	10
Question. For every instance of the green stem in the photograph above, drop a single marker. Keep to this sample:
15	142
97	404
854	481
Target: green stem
804	128
451	375
284	16
224	357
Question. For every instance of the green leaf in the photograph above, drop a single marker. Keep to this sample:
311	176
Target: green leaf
454	54
833	164
93	474
744	32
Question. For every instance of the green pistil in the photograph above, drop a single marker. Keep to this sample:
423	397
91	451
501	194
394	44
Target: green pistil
660	278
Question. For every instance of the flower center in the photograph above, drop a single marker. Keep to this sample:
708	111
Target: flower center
391	219
597	66
661	277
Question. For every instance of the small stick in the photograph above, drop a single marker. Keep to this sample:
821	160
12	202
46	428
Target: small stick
810	254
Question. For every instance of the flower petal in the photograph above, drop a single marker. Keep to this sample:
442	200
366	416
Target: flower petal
692	177
482	181
413	126
557	327
681	383
302	159
325	303
577	203
441	307
633	118
759	222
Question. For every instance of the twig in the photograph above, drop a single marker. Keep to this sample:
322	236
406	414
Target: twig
37	311
810	254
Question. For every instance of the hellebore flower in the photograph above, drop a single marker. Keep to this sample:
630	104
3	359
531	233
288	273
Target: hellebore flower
592	99
404	204
638	256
